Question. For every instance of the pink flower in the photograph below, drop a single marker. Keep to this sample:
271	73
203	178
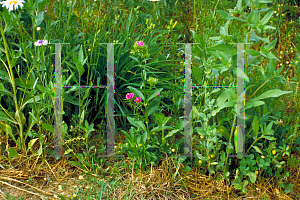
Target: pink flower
138	99
140	43
129	96
158	94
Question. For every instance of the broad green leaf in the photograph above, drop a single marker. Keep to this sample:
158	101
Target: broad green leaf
195	111
68	151
138	124
225	105
81	117
171	133
154	94
197	75
259	67
270	46
224	132
136	93
252	176
153	106
12	153
257	149
40	151
266	40
144	138
270	56
159	118
48	127
39	18
4	117
31	143
222	98
269	137
266	18
253	104
35	98
255	126
270	93
187	168
223	13
19	115
269	27
166	120
226	48
252	52
271	68
252	17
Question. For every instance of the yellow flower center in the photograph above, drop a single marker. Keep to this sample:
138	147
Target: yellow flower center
13	2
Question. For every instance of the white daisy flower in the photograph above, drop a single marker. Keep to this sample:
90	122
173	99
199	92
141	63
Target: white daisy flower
9	4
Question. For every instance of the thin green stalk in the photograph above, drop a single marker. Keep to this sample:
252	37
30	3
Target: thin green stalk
257	90
232	128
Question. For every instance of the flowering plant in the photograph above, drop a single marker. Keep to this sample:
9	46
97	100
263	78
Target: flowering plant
139	48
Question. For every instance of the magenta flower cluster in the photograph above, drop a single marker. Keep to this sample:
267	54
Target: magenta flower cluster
130	96
140	43
137	99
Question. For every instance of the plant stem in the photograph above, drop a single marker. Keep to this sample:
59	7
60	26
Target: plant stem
257	90
229	142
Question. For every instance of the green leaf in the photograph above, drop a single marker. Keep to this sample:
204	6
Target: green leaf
12	153
197	75
266	40
225	105
166	119
227	49
224	132
40	151
144	138
35	98
237	185
171	133
252	176
223	13
252	52
271	68
252	17
266	18
159	118
187	168
154	94
195	111
269	137
4	117
255	126
138	124
31	143
269	47
68	151
39	18
270	93
136	92
153	106
253	104
257	149
269	55
48	127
